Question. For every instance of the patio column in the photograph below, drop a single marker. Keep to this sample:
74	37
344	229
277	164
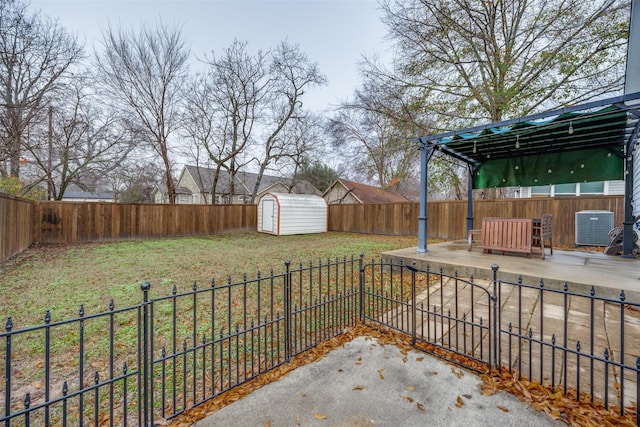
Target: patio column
627	232
470	169
631	85
422	214
629	218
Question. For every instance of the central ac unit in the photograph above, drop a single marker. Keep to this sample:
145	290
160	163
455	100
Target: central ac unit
592	228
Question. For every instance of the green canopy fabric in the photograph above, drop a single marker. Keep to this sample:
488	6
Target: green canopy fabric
577	146
559	168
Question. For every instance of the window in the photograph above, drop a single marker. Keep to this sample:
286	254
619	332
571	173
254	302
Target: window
565	189
541	190
592	187
184	198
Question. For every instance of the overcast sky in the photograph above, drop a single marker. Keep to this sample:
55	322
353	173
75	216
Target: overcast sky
333	33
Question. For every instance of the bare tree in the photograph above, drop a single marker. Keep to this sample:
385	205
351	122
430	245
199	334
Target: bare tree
222	110
251	103
144	74
473	59
373	132
78	142
371	144
458	62
291	73
135	179
35	55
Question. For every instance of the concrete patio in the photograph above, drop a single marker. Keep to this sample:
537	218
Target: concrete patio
364	383
593	324
580	269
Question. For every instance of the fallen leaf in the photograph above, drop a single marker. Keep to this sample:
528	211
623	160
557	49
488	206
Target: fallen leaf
457	373
459	402
319	416
410	388
340	370
502	408
267	423
434	373
380	373
359	387
420	406
404	359
419	359
467	396
409	399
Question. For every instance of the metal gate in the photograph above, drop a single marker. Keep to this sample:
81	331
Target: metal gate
439	312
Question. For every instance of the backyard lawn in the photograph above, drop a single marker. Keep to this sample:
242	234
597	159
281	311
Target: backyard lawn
61	278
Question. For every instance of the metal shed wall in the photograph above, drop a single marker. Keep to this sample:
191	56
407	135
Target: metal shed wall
282	213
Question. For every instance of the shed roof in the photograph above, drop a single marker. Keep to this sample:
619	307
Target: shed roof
296	199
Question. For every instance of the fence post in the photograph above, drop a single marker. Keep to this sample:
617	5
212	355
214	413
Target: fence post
637	390
145	352
7	367
361	286
494	299
413	270
287	312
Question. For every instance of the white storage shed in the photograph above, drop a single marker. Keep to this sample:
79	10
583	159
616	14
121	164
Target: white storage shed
282	213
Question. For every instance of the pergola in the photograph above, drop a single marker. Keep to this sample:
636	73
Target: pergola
594	141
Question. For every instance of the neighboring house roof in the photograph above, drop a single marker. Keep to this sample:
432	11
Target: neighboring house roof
367	193
244	182
203	177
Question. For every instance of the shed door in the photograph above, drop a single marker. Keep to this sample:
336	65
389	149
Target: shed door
267	215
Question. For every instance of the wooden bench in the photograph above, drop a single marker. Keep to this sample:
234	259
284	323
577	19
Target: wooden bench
512	235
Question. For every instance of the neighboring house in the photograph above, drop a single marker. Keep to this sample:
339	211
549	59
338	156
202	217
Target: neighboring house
159	194
194	186
349	192
606	188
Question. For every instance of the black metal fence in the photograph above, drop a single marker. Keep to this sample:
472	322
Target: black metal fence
152	361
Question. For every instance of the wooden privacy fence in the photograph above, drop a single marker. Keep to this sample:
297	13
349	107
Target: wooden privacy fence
70	222
16	221
448	219
23	222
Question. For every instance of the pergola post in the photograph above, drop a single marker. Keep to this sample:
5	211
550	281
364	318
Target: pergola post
629	218
425	154
631	85
627	232
470	199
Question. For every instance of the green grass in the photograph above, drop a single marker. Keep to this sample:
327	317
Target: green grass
61	278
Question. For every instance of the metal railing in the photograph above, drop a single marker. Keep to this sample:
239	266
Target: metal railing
155	360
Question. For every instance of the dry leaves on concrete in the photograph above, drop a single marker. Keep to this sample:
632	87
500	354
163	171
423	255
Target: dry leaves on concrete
554	404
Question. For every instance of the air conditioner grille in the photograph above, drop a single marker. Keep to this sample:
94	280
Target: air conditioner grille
592	228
